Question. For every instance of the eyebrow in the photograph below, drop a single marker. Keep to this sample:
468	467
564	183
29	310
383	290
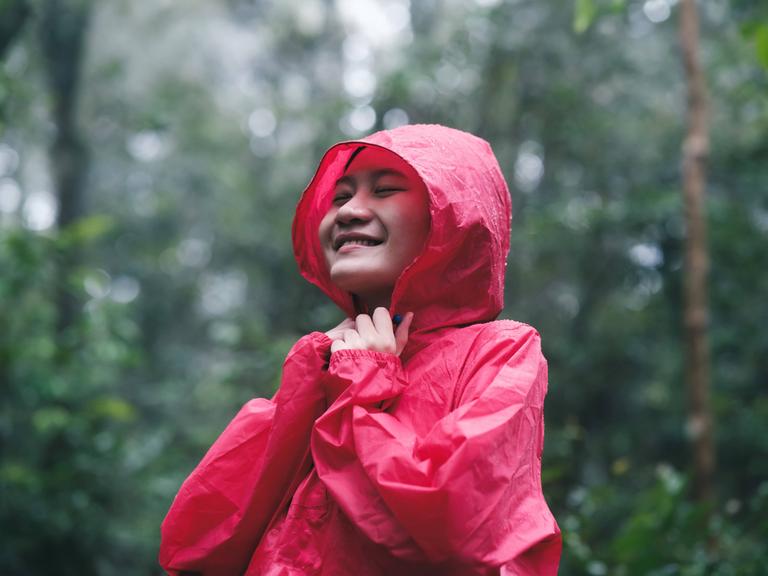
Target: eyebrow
349	179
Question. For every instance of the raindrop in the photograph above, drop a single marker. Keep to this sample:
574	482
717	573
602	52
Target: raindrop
263	147
97	283
310	17
597	568
379	22
9	160
395	117
732	506
358	121
356	48
448	77
40	211
194	252
399	15
656	10
125	289
359	82
148	145
262	122
222	293
10	195
226	333
529	166
568	302
295	90
646	255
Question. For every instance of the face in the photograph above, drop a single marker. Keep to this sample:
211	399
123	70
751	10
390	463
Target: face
377	225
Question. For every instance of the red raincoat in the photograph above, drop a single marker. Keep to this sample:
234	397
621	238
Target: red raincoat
364	463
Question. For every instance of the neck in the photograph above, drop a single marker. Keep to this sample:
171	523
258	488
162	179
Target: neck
369	302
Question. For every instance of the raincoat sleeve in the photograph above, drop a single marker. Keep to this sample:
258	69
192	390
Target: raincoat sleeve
469	490
224	506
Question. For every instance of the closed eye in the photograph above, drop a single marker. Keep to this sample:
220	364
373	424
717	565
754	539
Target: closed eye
341	198
388	191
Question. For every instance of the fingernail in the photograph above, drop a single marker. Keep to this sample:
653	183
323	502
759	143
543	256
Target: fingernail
396	319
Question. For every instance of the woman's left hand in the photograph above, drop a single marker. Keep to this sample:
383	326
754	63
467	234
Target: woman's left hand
375	332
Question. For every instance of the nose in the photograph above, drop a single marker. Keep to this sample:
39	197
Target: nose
356	209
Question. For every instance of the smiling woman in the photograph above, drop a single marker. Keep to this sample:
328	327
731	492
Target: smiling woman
376	225
390	448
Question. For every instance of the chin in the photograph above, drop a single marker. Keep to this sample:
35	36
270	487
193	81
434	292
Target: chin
358	280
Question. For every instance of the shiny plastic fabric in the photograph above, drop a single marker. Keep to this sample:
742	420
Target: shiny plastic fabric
366	463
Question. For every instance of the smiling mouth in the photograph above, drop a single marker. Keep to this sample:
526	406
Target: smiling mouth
340	243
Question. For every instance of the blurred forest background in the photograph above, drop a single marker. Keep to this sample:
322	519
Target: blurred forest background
152	153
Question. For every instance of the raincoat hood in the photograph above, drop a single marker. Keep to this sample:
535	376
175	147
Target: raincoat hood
459	277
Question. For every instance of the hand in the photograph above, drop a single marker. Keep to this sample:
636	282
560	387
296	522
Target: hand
337	333
374	332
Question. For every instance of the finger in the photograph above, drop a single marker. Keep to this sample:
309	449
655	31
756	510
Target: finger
353	340
348	339
401	335
383	322
348	324
364	327
385	332
338	331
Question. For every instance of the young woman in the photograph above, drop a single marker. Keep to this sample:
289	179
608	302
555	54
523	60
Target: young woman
408	439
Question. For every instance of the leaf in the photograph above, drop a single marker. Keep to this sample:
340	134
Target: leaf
112	408
87	229
761	45
584	14
618	5
50	419
19	474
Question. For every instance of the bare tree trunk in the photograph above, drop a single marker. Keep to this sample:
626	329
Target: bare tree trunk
696	319
63	26
13	16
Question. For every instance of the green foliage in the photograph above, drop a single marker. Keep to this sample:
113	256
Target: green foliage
761	44
660	532
584	13
63	418
188	298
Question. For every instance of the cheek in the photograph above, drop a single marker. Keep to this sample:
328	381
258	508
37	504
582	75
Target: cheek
418	224
324	230
411	235
422	225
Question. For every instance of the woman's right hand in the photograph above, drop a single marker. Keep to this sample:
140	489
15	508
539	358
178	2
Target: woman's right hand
376	332
337	333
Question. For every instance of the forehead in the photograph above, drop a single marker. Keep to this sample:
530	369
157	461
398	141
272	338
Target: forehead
371	159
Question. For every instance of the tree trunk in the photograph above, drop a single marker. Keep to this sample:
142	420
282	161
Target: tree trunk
696	315
13	16
63	26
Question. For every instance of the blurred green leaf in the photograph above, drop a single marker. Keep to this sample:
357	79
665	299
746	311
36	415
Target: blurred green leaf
584	13
51	419
112	408
761	44
15	473
86	230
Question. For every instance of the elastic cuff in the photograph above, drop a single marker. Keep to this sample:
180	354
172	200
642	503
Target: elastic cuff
381	358
321	339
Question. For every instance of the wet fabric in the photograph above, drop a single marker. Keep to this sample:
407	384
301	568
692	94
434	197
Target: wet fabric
365	463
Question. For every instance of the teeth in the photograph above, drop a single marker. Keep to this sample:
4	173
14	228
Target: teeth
359	242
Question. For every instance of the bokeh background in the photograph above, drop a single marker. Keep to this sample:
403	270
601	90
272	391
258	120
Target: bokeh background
152	153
